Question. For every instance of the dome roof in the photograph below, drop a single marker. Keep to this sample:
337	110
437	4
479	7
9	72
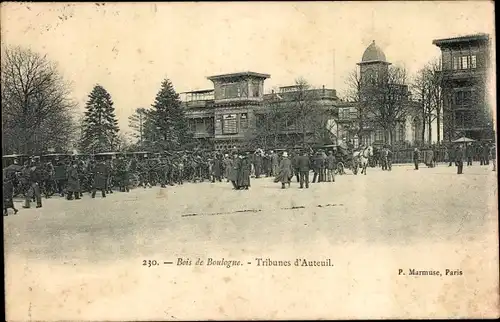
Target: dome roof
373	53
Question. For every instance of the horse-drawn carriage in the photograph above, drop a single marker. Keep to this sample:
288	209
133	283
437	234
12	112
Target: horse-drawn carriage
348	158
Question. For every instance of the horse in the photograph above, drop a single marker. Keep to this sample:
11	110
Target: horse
362	157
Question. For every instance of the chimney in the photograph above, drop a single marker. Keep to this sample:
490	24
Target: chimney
323	90
272	91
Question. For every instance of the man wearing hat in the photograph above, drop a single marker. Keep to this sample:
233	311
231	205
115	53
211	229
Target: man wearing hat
233	175
33	180
318	167
459	159
330	167
228	164
274	163
73	182
60	177
304	164
257	163
285	171
99	182
416	158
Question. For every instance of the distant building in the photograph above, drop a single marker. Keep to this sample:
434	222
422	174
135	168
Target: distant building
230	114
234	111
466	110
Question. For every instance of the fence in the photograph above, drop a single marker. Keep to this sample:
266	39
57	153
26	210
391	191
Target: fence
406	155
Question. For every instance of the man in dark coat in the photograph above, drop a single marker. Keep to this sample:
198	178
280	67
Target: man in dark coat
100	177
217	168
493	155
285	170
459	159
486	154
416	158
266	164
60	177
228	165
330	167
258	163
389	159
451	155
318	166
245	167
233	177
470	154
295	166
73	182
304	164
8	194
33	179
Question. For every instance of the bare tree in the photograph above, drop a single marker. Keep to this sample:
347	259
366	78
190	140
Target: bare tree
294	116
36	104
353	93
420	87
436	93
427	87
386	99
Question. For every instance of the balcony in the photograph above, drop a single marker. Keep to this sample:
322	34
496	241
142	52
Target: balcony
202	135
460	74
197	99
197	103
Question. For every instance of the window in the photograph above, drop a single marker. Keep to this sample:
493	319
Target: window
223	91
192	124
459	98
256	89
467	99
473	61
200	126
401	133
464	62
456	63
379	135
243	120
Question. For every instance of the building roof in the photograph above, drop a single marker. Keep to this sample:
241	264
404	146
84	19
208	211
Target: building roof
461	39
240	74
373	53
200	91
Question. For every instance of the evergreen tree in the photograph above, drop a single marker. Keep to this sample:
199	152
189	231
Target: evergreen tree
100	127
166	124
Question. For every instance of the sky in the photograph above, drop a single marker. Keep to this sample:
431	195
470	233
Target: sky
129	48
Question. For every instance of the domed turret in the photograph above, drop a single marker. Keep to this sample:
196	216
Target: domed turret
373	54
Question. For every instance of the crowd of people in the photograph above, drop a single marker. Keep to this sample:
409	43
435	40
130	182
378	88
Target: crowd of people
458	154
72	176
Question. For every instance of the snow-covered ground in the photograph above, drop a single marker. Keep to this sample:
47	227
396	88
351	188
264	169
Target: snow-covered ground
83	259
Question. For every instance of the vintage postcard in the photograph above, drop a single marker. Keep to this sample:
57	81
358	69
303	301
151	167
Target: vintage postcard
249	160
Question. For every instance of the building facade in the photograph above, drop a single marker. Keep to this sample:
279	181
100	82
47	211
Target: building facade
232	113
235	112
465	62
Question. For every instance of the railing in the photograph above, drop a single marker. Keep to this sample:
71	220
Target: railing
461	73
406	155
197	103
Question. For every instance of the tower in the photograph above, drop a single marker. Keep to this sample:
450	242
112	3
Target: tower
373	65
